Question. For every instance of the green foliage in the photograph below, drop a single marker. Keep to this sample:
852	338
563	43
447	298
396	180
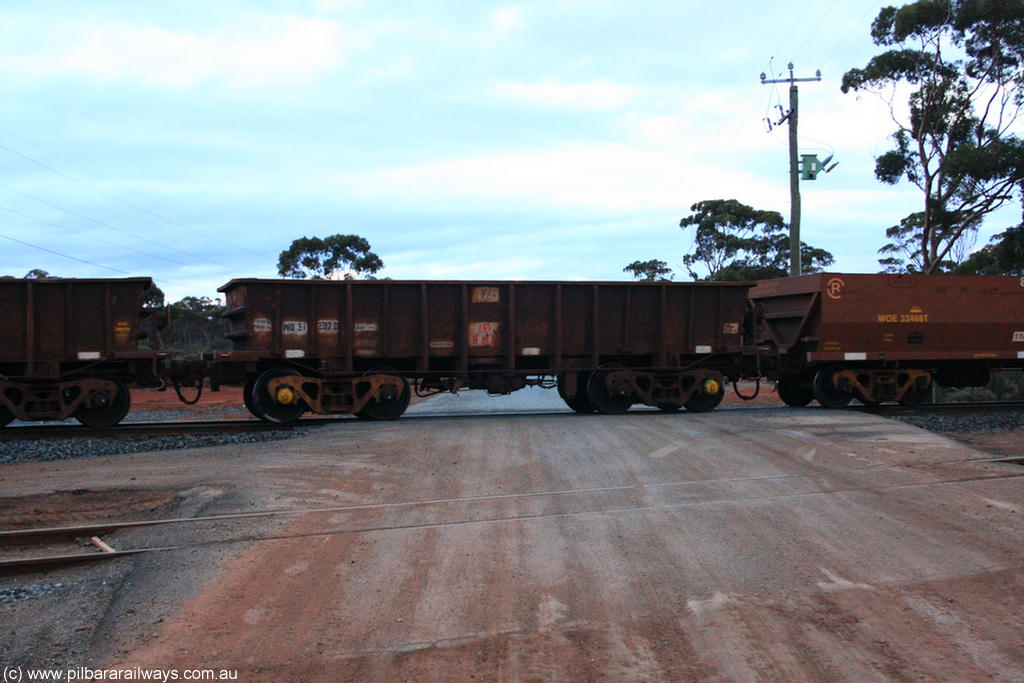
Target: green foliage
1005	385
902	253
34	274
39	274
650	271
963	60
191	327
318	258
1003	255
734	241
153	297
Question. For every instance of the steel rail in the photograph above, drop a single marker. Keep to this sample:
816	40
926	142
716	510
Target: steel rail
942	408
152	428
48	535
24	565
161	428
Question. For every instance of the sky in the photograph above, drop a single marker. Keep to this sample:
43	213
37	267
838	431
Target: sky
549	140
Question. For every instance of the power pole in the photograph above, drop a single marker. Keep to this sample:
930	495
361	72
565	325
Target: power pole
794	170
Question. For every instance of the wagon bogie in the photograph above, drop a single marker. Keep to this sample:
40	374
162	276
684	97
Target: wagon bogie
614	389
94	402
282	394
869	385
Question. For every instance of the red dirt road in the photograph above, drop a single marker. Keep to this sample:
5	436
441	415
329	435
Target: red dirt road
736	546
740	545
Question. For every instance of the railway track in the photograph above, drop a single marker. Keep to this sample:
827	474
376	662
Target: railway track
942	408
31	550
166	428
151	428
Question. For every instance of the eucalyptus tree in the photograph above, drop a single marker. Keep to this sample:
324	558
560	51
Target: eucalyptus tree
654	270
734	241
318	258
951	74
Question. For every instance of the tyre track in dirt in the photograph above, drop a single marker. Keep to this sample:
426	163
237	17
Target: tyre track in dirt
730	559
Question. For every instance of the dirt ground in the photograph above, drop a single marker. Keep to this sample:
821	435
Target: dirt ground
1007	442
227	397
740	545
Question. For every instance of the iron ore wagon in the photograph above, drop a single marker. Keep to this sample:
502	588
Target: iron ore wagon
833	337
362	346
69	347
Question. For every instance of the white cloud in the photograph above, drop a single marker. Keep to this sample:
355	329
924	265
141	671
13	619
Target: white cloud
335	5
273	50
600	95
593	176
508	267
398	67
507	19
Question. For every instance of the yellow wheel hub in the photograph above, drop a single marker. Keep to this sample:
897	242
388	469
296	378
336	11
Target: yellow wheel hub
712	386
285	396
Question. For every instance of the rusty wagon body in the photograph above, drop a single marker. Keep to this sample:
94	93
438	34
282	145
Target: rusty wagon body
357	346
833	336
69	347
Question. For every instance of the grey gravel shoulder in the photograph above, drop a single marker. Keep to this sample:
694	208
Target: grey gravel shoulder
27	450
965	422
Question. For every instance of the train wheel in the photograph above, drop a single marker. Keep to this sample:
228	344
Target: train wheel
711	393
865	399
392	406
265	407
580	402
6	416
916	396
828	395
105	411
247	394
613	400
794	391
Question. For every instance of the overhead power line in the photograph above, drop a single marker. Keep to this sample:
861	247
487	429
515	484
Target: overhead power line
814	31
854	26
107	226
90	237
126	202
73	258
793	28
85	261
73	163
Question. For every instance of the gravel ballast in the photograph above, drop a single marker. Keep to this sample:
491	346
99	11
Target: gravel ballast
965	422
48	449
27	450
